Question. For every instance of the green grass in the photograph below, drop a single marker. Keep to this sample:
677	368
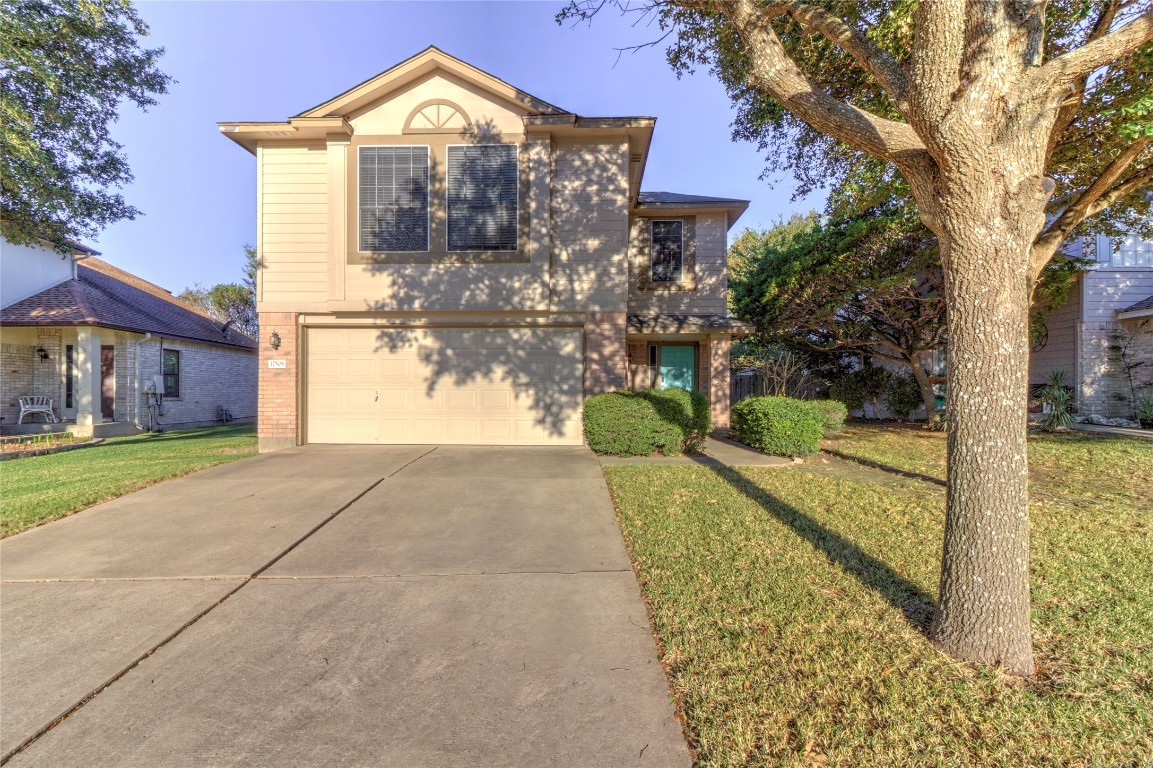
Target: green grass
791	607
38	489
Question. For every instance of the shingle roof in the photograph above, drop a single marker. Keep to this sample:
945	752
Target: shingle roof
676	323
109	297
1145	303
673	198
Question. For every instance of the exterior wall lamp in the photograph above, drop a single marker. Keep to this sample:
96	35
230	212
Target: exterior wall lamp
274	340
41	353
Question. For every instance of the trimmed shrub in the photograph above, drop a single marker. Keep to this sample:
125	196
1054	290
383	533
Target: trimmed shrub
834	413
782	426
668	421
902	396
859	387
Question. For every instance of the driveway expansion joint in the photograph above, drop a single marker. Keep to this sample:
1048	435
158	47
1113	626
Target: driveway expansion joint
337	576
28	742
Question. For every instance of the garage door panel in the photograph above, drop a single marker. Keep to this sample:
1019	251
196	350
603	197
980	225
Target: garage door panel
490	385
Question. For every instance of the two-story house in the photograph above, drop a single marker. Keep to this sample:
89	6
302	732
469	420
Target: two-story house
1110	308
445	258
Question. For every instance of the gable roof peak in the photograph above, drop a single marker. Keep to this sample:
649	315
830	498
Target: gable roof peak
428	60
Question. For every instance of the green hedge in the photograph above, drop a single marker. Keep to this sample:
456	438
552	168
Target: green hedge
667	421
859	387
834	413
782	426
903	396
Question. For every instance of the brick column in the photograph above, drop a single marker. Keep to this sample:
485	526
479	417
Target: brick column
606	356
718	350
276	418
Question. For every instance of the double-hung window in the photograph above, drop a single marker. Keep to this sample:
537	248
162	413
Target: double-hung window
668	251
393	198
170	370
482	197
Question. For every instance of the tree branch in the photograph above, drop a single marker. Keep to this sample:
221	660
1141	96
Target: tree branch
1099	195
774	71
868	55
1065	69
1068	113
935	61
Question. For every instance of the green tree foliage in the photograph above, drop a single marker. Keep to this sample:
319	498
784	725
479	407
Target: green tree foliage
870	284
235	302
66	66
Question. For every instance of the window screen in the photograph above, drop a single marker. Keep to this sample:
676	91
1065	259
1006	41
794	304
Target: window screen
170	369
393	199
667	251
69	374
482	198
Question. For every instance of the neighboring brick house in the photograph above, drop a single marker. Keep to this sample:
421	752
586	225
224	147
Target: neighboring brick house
95	339
1110	303
448	259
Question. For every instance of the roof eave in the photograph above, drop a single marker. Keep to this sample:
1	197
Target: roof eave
1134	313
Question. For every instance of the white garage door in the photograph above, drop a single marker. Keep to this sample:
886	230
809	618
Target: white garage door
493	386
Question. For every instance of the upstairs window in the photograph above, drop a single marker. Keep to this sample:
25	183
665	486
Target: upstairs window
393	199
668	251
170	369
482	197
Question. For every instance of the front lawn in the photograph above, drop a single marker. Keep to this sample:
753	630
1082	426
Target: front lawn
791	607
43	488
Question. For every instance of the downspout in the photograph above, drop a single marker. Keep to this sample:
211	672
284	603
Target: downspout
136	382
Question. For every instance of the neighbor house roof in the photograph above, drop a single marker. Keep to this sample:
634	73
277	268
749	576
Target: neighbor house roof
672	201
106	296
1140	309
677	323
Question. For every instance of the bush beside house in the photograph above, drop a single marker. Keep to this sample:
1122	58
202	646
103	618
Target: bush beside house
782	426
834	414
627	423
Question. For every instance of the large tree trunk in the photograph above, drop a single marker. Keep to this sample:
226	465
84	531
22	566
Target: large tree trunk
983	613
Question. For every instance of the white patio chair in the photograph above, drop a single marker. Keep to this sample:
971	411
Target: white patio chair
36	404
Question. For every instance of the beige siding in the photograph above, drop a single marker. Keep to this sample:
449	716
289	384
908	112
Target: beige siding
1109	290
1060	351
294	224
590	226
711	271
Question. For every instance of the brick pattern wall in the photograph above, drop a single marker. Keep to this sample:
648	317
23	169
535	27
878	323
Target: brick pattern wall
606	358
16	373
717	349
1104	387
279	387
211	377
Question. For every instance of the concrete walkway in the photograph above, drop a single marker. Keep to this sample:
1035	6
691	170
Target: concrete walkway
1122	431
719	452
343	606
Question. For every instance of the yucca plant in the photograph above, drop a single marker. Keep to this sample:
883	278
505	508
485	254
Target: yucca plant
1057	400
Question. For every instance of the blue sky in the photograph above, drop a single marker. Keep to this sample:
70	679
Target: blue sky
270	60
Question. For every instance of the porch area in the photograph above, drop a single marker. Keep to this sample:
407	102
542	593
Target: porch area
83	371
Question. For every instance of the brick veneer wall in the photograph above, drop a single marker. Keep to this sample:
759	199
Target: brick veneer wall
606	356
1104	386
211	377
718	347
279	387
16	372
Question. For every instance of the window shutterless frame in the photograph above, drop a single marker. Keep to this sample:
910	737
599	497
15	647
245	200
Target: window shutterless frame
170	370
448	193
653	252
427	195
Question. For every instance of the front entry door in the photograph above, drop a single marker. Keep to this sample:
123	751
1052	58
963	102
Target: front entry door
107	381
678	366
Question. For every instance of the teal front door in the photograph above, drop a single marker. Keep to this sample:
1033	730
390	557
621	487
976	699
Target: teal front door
678	366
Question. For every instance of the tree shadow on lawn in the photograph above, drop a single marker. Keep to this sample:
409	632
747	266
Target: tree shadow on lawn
915	604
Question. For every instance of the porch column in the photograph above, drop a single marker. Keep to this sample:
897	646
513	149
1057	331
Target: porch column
718	346
87	395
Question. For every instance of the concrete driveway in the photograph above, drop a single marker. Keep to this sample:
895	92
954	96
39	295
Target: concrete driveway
333	605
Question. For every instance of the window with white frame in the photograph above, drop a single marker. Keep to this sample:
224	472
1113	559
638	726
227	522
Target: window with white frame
482	197
667	248
1132	251
393	187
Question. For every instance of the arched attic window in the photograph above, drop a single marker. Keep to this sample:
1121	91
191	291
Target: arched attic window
437	116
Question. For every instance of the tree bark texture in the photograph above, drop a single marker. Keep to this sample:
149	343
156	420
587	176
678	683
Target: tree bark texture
928	397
